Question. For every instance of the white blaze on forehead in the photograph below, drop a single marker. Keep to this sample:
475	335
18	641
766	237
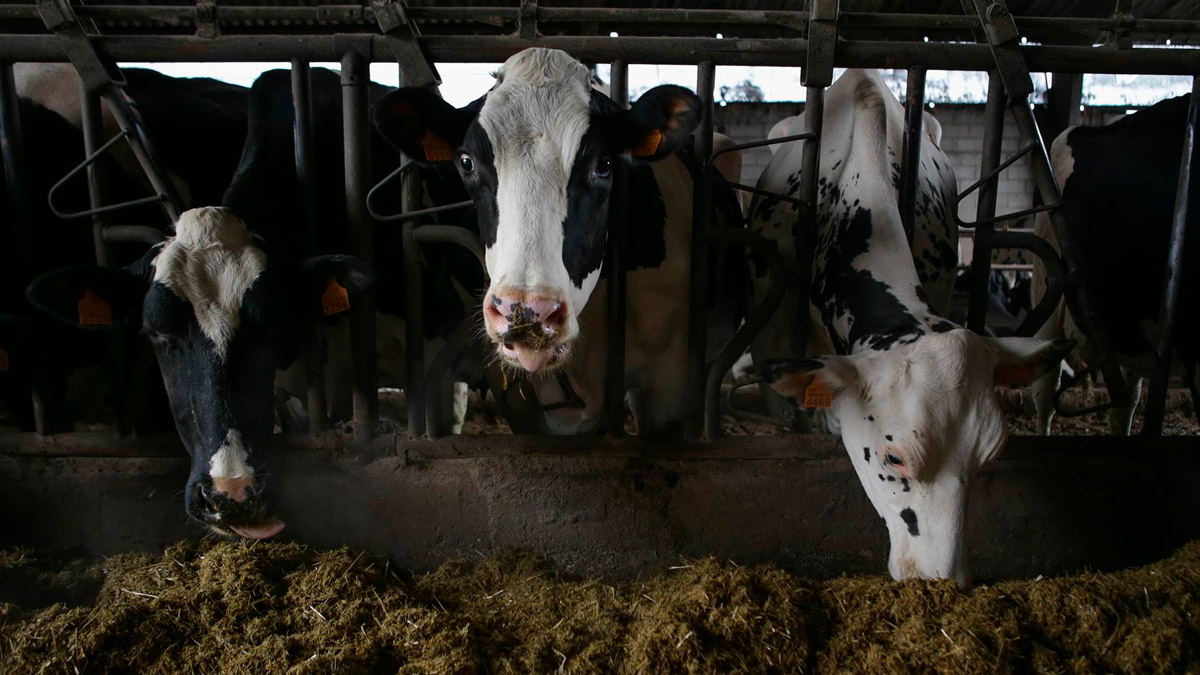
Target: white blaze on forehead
230	460
535	119
211	262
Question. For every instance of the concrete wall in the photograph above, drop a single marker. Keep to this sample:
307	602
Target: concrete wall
619	508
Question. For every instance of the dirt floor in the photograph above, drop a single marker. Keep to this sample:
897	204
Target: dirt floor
236	607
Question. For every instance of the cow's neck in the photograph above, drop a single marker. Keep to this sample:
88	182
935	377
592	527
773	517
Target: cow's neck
864	282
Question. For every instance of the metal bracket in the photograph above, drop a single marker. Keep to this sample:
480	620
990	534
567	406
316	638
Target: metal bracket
390	15
1003	39
206	20
822	42
97	74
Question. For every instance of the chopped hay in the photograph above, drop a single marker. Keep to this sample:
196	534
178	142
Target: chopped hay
242	607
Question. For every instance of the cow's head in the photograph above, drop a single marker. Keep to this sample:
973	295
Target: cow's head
222	318
918	422
536	155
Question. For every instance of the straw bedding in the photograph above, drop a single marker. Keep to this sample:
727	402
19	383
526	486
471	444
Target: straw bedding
242	607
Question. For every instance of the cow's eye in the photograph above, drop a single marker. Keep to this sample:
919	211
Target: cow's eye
467	164
604	167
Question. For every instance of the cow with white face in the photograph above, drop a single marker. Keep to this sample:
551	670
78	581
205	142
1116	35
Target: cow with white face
222	315
913	394
536	154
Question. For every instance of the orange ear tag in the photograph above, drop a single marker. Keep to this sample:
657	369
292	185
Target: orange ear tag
94	310
3	361
1018	373
648	145
817	395
335	299
436	149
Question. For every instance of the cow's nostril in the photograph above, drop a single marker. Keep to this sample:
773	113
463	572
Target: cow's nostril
557	316
496	301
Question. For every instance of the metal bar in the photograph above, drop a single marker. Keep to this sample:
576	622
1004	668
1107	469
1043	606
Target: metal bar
306	172
93	131
89	160
754	324
995	171
666	50
356	132
451	234
985	209
698	275
143	150
357	14
137	234
400	170
614	263
910	156
421	213
12	155
758	144
1055	272
814	119
1168	313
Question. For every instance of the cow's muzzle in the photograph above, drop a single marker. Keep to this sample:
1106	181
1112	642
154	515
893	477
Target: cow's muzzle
529	329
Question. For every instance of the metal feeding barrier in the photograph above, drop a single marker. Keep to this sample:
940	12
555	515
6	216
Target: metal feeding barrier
985	37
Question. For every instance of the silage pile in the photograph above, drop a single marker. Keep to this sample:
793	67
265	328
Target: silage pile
276	607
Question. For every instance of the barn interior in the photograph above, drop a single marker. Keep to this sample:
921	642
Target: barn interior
738	482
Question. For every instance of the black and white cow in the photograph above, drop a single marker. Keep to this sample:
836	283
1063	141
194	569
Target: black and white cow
223	314
536	154
265	195
913	394
198	126
1004	303
1118	181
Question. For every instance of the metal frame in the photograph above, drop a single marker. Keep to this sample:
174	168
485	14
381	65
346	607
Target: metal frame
815	39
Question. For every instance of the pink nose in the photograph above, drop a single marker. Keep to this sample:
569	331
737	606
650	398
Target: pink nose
518	311
527	326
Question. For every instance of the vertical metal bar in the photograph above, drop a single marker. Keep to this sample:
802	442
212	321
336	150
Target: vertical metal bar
910	160
985	208
92	122
302	130
618	212
806	239
698	281
356	135
93	137
1169	310
12	152
414	319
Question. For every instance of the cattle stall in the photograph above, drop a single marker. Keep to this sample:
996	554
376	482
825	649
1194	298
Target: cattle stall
608	504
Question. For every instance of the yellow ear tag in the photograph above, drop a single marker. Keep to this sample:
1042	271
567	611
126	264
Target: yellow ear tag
335	299
648	145
94	310
1018	373
817	395
3	361
436	149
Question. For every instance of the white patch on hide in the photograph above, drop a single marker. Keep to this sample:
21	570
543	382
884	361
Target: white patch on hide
230	460
211	262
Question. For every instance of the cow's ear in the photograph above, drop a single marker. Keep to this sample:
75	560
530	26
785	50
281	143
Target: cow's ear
1020	361
337	281
89	296
661	121
811	383
421	125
